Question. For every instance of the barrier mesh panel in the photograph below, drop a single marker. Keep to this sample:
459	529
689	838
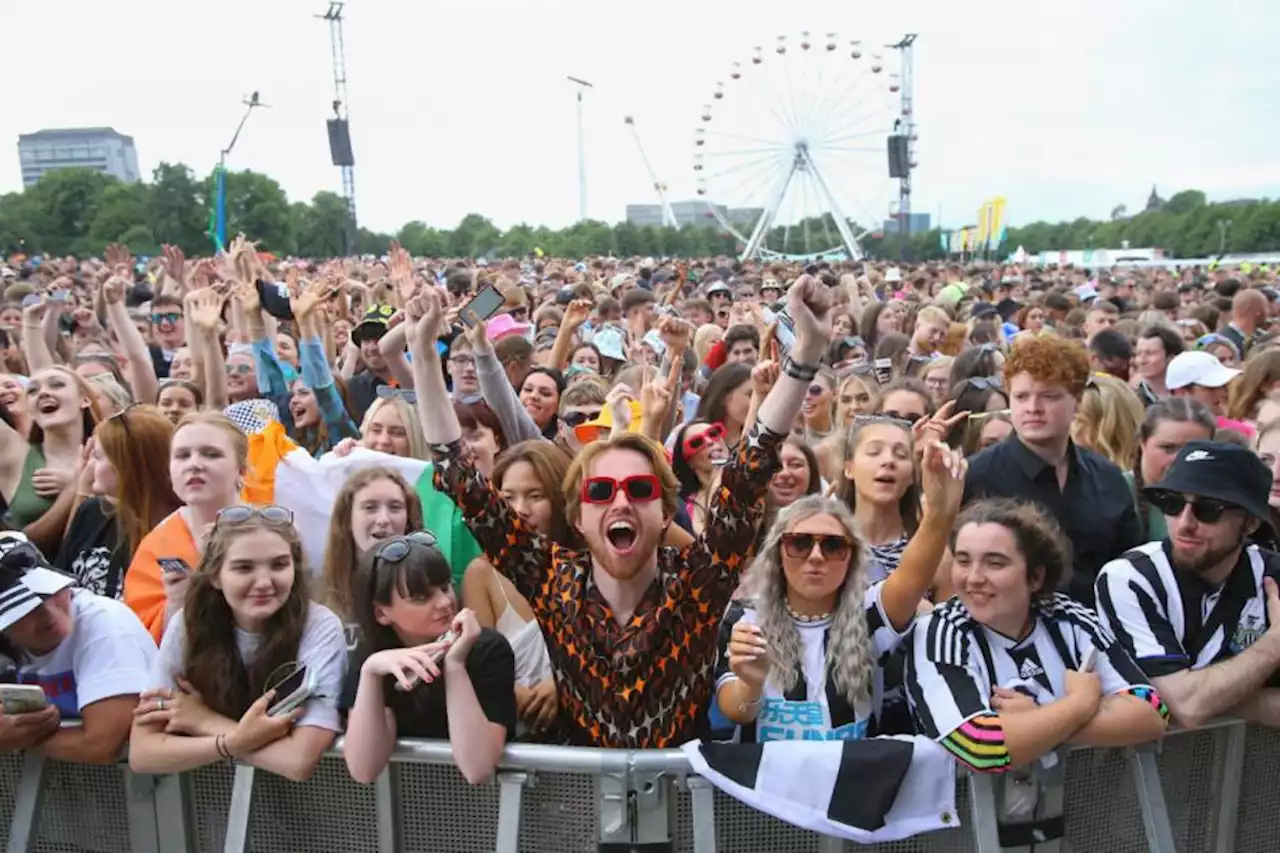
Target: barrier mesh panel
441	813
330	811
1258	830
85	808
10	770
559	814
1101	805
210	801
1190	767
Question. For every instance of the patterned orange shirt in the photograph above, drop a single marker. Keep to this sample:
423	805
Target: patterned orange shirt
646	684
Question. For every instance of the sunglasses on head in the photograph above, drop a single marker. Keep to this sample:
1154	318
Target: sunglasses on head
120	416
397	549
904	417
239	514
1203	510
639	488
694	443
386	392
832	546
576	419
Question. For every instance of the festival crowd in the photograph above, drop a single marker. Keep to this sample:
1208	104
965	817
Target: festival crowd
1004	508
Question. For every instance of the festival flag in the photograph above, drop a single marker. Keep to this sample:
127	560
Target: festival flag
310	486
997	222
944	237
868	791
984	224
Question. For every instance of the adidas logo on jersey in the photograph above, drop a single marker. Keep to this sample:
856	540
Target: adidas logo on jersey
1030	669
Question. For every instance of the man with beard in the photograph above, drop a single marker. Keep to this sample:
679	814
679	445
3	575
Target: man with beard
1199	611
631	627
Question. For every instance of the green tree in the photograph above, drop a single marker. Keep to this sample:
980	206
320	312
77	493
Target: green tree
122	210
178	208
319	228
258	208
1184	202
474	237
62	206
371	242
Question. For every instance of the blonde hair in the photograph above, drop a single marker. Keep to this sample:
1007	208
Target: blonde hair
1108	419
850	656
635	442
705	338
408	417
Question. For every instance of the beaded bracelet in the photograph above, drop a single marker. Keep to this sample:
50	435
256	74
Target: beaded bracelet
796	370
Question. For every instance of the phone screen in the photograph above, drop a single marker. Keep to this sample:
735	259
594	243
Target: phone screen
291	684
485	304
175	565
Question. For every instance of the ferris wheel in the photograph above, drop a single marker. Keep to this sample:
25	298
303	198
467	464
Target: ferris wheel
790	154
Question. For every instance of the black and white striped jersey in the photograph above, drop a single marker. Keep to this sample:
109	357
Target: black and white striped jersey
814	709
1170	620
955	662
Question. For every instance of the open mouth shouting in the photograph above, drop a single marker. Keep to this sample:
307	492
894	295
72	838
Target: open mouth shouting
622	536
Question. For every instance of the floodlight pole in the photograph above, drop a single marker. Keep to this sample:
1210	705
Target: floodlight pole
582	150
220	174
907	127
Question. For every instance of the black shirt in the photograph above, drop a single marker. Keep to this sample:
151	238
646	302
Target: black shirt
1095	509
421	712
160	362
362	390
92	553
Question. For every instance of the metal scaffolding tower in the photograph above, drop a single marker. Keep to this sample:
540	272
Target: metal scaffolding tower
341	121
906	125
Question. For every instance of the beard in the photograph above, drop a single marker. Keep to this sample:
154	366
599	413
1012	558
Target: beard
1204	560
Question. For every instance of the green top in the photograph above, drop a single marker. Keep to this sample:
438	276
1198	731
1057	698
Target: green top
25	507
1156	526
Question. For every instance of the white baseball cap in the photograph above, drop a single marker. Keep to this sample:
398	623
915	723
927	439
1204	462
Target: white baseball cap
893	274
1197	368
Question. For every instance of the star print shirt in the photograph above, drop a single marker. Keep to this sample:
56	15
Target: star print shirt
647	683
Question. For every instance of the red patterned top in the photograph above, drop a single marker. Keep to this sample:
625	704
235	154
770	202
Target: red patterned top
644	684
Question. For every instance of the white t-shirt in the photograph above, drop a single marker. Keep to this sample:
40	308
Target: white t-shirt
108	653
322	650
809	718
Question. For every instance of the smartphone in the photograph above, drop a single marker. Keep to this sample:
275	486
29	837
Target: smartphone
414	678
884	370
484	305
22	698
30	299
785	333
174	566
292	692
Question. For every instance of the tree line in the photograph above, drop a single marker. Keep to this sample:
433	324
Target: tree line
80	211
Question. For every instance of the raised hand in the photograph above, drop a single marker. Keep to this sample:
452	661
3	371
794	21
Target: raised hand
175	263
34	312
477	334
119	255
655	395
204	306
942	478
809	304
246	292
308	299
114	289
763	376
938	427
676	334
577	313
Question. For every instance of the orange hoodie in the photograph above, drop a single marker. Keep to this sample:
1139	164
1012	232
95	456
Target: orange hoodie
144	581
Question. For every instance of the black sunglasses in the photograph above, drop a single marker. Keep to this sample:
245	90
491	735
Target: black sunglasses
1204	510
574	419
239	514
908	418
410	396
397	549
832	545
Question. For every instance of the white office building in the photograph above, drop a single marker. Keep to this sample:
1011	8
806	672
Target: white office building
100	148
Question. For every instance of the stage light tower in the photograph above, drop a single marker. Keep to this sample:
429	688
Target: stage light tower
340	125
582	151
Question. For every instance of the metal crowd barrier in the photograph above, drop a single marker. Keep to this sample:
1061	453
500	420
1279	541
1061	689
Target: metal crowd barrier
1205	790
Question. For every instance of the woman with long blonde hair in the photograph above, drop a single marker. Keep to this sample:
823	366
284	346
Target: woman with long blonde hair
817	626
1261	376
1108	419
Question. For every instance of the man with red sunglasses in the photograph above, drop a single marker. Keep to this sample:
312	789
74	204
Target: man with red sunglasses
631	626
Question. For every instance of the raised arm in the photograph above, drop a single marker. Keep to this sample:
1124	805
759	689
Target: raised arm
574	316
316	373
496	388
35	348
512	548
942	475
391	345
142	372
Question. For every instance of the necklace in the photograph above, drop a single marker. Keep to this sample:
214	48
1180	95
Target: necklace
804	618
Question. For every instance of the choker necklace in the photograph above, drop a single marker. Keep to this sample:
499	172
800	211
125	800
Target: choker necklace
805	618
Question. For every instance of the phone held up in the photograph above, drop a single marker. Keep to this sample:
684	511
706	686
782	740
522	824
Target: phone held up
22	698
483	305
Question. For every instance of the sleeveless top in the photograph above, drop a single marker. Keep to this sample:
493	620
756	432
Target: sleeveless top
25	507
533	663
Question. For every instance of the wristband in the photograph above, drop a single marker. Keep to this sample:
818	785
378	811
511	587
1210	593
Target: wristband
803	372
220	744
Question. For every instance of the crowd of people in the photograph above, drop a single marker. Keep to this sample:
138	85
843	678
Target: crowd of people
1004	508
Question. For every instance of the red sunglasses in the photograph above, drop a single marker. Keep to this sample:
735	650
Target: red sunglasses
639	488
694	443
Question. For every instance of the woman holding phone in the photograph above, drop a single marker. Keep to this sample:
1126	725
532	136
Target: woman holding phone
424	669
248	627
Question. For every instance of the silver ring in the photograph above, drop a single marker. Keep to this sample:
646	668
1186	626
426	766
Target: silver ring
159	704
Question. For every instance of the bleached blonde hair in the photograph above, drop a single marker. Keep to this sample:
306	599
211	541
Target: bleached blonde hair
850	657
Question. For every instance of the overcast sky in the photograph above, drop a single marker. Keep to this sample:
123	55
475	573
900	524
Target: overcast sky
463	106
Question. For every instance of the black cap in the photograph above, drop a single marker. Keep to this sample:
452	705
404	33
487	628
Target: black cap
374	323
1224	472
983	309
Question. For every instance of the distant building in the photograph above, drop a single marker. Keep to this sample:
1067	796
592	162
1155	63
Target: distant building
1154	202
919	222
696	212
100	148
